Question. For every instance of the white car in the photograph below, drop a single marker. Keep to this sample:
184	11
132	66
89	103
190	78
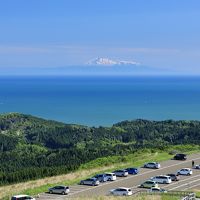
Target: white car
197	167
185	171
154	189
22	197
162	179
152	165
111	176
121	191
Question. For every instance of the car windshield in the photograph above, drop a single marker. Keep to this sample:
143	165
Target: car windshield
149	182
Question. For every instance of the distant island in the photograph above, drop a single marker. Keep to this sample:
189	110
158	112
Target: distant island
110	62
32	147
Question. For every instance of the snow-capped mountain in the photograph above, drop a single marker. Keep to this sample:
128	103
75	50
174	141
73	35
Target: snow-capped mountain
109	62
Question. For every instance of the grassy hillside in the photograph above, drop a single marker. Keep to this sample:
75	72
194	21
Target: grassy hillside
32	148
93	167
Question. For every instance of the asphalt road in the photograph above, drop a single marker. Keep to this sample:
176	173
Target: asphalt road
133	181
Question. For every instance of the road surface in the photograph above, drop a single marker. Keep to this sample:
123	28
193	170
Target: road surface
133	181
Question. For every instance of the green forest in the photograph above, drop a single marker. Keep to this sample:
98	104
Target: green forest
32	147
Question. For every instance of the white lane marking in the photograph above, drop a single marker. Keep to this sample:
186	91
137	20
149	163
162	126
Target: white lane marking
180	181
187	161
78	188
184	184
193	186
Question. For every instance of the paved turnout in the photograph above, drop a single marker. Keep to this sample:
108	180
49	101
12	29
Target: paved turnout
132	181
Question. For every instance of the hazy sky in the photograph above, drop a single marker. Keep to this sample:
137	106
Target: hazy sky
50	33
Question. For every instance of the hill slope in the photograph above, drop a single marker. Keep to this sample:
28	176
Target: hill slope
32	147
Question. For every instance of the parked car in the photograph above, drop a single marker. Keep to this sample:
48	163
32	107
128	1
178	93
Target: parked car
152	165
111	176
149	184
197	167
154	189
121	172
60	189
90	181
174	177
162	179
101	177
122	191
185	171
180	156
22	197
132	170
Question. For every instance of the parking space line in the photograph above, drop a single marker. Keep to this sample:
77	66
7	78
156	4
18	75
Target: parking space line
147	172
192	186
184	184
180	181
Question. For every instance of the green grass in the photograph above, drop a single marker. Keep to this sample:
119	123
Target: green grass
114	162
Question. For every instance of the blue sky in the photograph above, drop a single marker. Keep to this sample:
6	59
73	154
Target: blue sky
48	33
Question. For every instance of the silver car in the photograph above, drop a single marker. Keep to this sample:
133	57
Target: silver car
152	165
121	172
159	190
90	181
60	189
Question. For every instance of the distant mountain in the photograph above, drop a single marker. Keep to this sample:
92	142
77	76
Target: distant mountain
109	62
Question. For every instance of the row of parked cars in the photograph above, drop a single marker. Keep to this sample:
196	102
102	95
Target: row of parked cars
152	183
94	181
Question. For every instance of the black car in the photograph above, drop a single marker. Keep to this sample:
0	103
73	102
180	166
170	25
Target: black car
180	156
173	177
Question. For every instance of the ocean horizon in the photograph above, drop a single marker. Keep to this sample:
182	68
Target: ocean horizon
103	100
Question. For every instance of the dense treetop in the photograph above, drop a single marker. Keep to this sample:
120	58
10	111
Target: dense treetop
32	147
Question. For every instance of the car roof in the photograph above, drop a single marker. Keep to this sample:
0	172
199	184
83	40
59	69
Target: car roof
164	175
61	186
186	168
149	181
123	188
21	195
131	168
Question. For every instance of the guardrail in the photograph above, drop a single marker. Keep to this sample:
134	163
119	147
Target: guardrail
190	196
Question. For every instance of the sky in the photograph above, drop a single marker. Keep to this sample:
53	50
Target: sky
48	33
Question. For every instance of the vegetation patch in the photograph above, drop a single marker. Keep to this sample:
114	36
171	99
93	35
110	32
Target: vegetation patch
88	170
32	148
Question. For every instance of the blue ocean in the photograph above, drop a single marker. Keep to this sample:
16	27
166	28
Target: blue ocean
102	101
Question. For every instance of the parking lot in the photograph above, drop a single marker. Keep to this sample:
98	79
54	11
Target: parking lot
133	181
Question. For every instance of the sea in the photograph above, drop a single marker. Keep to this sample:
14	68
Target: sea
101	100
